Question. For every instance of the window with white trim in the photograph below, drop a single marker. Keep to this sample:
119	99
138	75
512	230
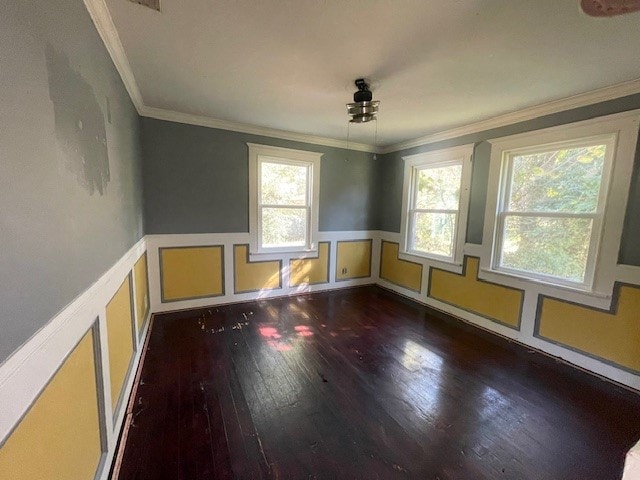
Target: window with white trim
284	192
435	203
560	197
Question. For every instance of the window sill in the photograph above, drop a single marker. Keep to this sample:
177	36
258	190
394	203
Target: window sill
279	253
545	283
413	257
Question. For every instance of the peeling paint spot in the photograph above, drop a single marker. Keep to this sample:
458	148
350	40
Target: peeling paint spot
79	123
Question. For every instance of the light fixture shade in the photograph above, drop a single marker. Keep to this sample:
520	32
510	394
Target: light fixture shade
363	109
362	112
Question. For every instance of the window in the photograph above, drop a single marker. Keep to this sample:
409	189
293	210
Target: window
435	201
554	198
283	188
551	209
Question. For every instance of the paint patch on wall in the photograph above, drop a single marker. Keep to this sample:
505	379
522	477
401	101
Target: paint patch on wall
400	272
254	276
310	271
59	437
191	272
610	335
353	259
79	123
466	291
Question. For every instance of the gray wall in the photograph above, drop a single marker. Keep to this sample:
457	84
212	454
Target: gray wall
196	180
389	182
70	171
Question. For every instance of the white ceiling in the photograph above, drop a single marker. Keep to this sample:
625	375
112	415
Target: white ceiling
434	65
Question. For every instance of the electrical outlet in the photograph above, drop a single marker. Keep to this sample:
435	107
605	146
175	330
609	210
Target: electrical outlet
344	270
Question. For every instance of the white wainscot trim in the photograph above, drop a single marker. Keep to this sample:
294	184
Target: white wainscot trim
25	374
628	274
228	240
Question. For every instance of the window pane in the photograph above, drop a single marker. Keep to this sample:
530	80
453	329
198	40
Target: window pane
550	246
434	232
284	227
566	180
283	184
438	188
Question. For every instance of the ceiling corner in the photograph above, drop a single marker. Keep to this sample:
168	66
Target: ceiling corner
101	17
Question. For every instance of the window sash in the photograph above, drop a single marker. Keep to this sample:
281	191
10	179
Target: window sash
307	227
619	132
596	221
411	228
550	214
307	206
411	248
597	217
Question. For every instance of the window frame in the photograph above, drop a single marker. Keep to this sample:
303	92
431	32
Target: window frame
413	164
619	132
259	154
597	216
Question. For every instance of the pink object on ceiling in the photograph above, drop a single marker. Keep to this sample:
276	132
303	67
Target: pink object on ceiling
609	8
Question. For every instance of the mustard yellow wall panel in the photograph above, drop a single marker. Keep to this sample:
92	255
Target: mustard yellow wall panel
254	276
59	437
397	271
141	283
496	302
191	272
610	335
310	271
120	339
353	259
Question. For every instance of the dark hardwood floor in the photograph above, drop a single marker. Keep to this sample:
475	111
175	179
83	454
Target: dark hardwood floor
361	383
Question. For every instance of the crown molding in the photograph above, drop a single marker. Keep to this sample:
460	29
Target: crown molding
203	121
101	17
581	100
99	13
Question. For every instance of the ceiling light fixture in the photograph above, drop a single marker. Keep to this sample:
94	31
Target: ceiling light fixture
363	109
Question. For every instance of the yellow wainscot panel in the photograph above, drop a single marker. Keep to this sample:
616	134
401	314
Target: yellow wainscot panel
610	335
141	283
353	259
397	271
496	302
490	300
254	276
191	272
310	271
59	437
119	339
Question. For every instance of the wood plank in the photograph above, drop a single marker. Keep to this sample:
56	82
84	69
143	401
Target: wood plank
363	383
